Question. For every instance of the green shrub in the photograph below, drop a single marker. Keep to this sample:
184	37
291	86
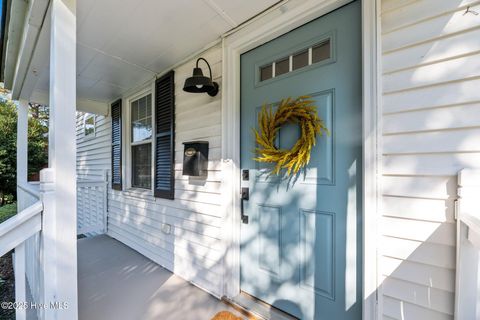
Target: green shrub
37	145
7	211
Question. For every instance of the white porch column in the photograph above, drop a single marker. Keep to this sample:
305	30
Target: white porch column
22	173
60	217
22	141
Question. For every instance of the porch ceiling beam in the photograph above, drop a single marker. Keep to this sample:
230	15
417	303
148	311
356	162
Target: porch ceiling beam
34	20
92	106
38	65
40	97
14	36
85	105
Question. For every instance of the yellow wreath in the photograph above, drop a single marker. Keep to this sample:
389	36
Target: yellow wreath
301	111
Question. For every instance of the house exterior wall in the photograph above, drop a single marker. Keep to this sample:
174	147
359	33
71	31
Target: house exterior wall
431	115
192	249
93	153
430	68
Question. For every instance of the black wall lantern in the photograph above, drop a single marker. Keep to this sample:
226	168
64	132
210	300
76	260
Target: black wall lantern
199	83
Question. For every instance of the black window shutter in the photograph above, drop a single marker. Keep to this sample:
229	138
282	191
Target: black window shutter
165	136
117	145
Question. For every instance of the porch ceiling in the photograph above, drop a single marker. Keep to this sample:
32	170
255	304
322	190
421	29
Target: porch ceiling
121	46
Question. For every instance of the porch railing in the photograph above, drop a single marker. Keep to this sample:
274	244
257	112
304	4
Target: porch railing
21	233
467	208
16	230
92	204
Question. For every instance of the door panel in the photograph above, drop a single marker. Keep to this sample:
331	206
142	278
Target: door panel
269	238
318	265
301	250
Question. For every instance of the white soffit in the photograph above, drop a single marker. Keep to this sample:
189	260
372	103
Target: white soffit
123	44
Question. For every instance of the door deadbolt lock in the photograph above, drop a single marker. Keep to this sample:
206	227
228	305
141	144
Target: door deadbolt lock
245	174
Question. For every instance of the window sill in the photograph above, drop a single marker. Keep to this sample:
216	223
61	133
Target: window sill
89	136
139	193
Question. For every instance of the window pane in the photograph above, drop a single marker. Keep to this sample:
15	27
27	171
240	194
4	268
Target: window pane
89	125
300	60
266	72
135	109
149	103
141	129
281	67
141	116
321	52
141	109
142	166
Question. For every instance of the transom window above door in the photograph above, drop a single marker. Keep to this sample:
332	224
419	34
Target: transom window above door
319	52
141	125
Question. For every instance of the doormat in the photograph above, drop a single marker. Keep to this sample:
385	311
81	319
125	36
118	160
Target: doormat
225	315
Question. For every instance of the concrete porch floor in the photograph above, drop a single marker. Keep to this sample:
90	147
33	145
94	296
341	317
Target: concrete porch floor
118	283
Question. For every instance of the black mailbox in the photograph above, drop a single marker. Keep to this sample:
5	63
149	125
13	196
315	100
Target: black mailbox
195	158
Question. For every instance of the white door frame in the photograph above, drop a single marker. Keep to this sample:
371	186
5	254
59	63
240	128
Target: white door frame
286	17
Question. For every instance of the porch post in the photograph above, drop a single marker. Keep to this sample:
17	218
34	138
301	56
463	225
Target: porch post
61	178
22	141
22	173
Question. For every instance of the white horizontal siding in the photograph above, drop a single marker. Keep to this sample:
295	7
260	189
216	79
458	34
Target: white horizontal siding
193	249
93	159
431	130
93	153
400	309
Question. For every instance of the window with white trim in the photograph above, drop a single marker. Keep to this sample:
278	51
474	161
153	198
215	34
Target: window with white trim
89	125
141	125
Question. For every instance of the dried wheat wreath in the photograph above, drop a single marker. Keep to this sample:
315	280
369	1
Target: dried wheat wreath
300	110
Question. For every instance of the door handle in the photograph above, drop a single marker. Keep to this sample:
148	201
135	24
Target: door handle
245	196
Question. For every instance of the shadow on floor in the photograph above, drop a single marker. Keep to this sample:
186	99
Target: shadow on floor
116	282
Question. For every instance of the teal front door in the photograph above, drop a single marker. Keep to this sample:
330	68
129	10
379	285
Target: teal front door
301	246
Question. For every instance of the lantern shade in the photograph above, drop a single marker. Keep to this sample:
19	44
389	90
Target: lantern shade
198	83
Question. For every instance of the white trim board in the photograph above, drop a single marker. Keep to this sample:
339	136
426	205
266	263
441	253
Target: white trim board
83	105
285	18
